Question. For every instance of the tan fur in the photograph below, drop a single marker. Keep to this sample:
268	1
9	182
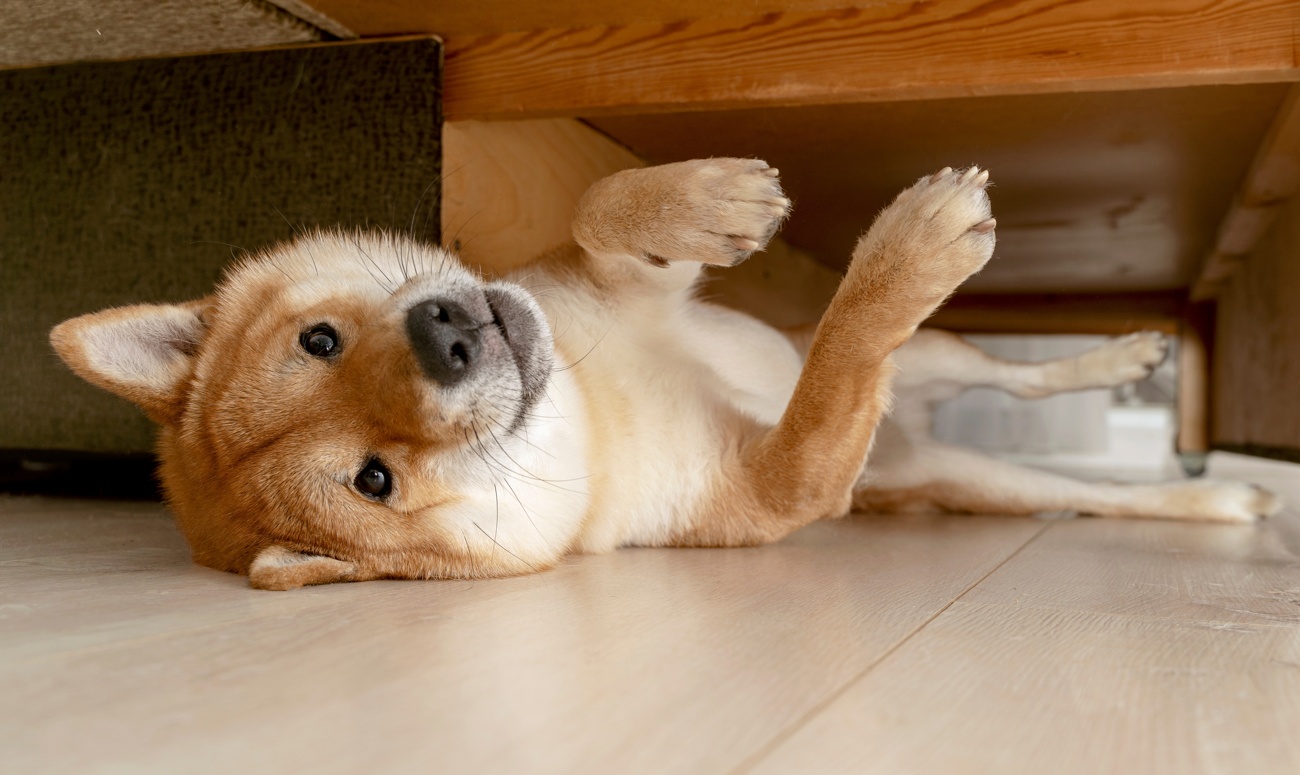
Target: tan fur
600	405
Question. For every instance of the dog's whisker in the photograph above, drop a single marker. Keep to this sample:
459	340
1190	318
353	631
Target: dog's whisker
415	211
490	460
496	524
531	567
528	515
356	240
590	350
455	243
473	566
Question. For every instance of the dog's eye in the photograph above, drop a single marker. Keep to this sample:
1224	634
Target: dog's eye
320	340
374	481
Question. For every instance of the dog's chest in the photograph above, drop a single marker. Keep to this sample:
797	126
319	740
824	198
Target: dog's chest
668	387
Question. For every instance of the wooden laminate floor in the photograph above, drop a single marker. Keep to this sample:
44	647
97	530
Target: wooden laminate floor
869	645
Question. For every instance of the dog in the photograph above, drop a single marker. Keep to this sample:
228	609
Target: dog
354	406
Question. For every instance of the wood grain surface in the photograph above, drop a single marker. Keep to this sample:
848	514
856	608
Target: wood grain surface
389	17
640	661
1093	192
1273	178
955	645
1112	314
886	51
510	189
1008	689
1257	343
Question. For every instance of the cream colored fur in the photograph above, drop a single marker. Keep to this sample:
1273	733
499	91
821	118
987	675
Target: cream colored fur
665	421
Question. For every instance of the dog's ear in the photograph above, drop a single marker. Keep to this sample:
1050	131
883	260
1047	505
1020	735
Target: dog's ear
278	568
143	353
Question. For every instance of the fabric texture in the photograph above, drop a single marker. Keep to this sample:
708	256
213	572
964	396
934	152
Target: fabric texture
132	182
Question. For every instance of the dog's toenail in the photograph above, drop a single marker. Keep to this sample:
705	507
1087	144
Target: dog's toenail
985	227
744	243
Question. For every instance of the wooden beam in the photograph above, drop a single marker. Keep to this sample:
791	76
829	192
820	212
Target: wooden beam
1256	356
1061	313
888	51
1195	363
1274	177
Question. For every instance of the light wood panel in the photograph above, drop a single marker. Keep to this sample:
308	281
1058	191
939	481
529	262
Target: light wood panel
1212	575
639	661
1005	689
1093	192
875	53
1272	179
1087	646
1104	646
1257	346
510	189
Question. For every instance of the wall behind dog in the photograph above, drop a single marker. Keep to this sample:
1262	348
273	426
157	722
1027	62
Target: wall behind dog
130	182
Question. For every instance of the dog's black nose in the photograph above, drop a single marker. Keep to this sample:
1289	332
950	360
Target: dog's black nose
445	339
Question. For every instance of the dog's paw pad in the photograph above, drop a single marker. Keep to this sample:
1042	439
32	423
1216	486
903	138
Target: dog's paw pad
737	207
1127	358
942	230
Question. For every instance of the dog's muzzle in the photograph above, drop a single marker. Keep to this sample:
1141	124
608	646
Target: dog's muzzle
450	337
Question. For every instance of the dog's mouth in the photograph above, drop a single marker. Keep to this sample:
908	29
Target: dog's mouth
521	325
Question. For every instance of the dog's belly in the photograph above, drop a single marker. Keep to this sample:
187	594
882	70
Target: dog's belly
670	388
757	365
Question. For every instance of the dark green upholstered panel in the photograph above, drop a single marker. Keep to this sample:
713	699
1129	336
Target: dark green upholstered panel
125	182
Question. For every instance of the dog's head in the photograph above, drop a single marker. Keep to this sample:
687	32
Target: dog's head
348	407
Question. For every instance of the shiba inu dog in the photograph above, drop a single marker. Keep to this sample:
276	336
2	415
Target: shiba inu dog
358	406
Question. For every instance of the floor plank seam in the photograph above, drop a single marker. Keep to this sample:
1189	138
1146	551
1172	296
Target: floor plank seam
1274	622
781	737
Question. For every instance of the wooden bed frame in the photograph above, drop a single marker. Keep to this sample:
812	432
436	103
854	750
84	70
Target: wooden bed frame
773	78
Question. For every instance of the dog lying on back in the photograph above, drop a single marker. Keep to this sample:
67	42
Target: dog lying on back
359	406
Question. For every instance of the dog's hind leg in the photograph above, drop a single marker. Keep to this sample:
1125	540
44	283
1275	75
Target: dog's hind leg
936	366
912	472
775	480
926	476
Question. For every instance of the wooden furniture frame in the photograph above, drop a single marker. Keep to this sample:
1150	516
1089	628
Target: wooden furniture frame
1144	150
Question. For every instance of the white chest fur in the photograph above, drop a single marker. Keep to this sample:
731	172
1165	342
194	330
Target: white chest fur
666	381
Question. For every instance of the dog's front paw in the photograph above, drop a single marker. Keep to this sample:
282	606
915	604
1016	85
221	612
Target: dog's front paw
715	211
933	236
733	208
